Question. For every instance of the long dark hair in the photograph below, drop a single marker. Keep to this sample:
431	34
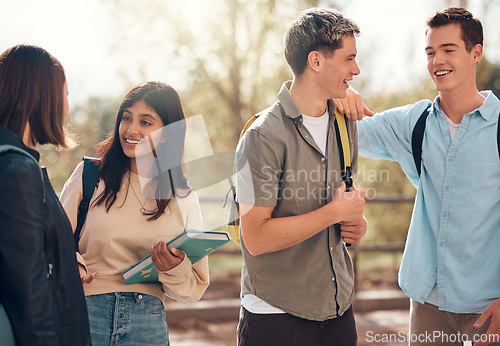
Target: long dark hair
31	91
115	164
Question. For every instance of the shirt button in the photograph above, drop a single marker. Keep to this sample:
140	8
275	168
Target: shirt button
323	159
328	187
331	248
333	279
446	187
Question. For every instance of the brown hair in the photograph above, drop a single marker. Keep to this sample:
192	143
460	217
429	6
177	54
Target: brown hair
115	164
31	91
472	30
316	29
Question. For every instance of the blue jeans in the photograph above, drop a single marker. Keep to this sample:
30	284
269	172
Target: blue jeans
127	318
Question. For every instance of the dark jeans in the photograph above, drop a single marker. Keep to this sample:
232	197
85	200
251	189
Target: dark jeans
288	330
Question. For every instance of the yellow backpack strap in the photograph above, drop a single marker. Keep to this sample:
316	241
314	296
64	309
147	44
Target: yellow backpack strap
344	151
344	138
247	125
344	148
233	226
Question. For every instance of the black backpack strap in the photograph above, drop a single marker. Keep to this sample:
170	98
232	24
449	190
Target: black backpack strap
90	177
417	138
9	147
498	136
342	135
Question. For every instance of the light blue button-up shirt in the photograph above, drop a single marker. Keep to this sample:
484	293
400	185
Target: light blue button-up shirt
454	236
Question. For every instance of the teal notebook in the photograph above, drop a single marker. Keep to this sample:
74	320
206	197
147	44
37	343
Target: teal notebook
194	242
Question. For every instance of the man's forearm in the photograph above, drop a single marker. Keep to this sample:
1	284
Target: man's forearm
266	234
263	234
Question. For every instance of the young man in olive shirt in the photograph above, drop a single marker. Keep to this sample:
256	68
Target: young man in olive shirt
297	276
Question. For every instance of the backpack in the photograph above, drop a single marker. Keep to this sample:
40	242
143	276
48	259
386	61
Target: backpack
90	178
233	225
417	138
6	332
7	147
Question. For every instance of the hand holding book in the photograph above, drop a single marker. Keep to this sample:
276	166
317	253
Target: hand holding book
163	258
195	244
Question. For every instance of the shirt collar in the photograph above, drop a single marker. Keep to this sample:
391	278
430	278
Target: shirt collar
290	107
489	107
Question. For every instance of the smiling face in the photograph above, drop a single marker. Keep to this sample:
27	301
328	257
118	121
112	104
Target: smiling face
137	131
451	67
339	68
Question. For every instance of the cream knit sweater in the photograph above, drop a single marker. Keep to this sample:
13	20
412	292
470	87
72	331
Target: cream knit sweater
110	242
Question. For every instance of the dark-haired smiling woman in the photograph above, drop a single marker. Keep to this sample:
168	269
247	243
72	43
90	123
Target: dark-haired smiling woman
135	210
40	286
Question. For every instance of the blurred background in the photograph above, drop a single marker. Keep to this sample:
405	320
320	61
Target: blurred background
225	59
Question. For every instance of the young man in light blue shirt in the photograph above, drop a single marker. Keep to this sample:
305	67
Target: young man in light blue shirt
451	264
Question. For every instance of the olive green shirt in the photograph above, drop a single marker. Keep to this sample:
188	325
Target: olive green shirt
280	165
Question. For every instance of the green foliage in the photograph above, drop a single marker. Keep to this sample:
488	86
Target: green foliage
88	124
231	59
488	76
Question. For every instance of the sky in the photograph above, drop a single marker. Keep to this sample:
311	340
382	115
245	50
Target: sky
80	32
72	31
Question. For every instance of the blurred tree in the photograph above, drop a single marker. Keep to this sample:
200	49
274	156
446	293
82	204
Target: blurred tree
231	55
228	57
488	76
456	3
88	124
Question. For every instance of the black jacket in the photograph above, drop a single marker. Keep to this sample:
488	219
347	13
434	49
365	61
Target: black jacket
40	287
